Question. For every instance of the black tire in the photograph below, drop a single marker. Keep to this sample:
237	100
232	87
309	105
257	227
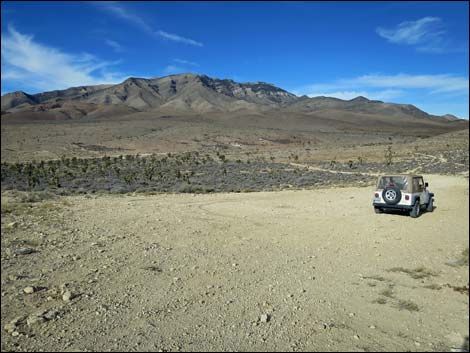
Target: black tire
430	205
416	210
391	195
378	210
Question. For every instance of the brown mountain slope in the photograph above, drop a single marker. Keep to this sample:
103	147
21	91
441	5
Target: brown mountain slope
190	93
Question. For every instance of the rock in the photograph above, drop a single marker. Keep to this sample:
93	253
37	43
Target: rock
35	319
29	290
10	327
356	337
67	296
24	251
264	318
51	314
15	333
12	225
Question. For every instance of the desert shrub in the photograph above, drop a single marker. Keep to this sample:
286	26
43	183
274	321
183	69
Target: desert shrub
389	156
407	305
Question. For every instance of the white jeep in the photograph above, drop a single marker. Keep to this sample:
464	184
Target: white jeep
403	192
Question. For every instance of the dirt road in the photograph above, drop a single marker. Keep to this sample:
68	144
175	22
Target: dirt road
291	270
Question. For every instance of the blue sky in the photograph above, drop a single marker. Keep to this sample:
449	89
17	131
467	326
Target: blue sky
405	52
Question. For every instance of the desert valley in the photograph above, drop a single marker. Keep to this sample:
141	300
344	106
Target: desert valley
191	213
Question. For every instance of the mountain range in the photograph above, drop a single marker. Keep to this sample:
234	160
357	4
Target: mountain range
194	94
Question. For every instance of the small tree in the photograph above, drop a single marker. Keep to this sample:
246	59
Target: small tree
129	178
389	156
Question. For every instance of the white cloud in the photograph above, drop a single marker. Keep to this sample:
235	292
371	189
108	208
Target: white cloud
347	95
437	83
185	62
431	83
426	34
36	66
118	48
173	69
177	38
120	12
413	32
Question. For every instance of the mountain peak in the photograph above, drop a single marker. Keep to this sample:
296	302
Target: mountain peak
201	93
359	99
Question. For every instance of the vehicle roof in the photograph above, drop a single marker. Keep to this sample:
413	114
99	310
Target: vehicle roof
402	175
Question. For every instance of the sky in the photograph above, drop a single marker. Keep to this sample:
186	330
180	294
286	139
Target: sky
402	52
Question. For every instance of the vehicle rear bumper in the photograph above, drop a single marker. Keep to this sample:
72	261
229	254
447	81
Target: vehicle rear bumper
392	207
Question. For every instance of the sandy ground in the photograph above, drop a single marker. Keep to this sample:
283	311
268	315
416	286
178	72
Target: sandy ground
199	272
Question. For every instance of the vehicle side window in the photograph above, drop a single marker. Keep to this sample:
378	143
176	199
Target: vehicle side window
418	185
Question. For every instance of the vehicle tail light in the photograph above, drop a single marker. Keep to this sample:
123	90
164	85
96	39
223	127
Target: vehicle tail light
376	194
407	197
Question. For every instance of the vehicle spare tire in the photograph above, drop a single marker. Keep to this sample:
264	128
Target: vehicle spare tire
391	195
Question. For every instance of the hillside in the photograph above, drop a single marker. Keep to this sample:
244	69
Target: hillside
190	93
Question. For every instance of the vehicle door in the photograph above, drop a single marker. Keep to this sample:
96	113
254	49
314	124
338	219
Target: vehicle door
418	184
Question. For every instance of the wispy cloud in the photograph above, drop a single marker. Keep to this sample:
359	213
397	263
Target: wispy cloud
120	12
185	62
173	69
36	66
180	66
118	48
125	14
427	34
177	38
347	95
433	84
413	32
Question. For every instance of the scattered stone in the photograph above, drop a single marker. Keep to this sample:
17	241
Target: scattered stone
24	251
29	290
51	314
12	225
35	319
10	327
67	296
264	318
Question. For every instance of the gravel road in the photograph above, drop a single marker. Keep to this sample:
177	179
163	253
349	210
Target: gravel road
312	270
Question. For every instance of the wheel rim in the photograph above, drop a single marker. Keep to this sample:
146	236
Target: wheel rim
390	195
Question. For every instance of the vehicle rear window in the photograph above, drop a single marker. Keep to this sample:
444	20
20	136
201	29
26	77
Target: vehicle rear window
397	181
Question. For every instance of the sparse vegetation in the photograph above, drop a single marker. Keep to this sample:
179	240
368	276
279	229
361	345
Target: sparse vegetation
417	273
186	172
379	301
375	277
407	305
387	292
462	260
389	156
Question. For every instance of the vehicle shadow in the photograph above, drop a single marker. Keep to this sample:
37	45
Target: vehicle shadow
406	214
465	345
